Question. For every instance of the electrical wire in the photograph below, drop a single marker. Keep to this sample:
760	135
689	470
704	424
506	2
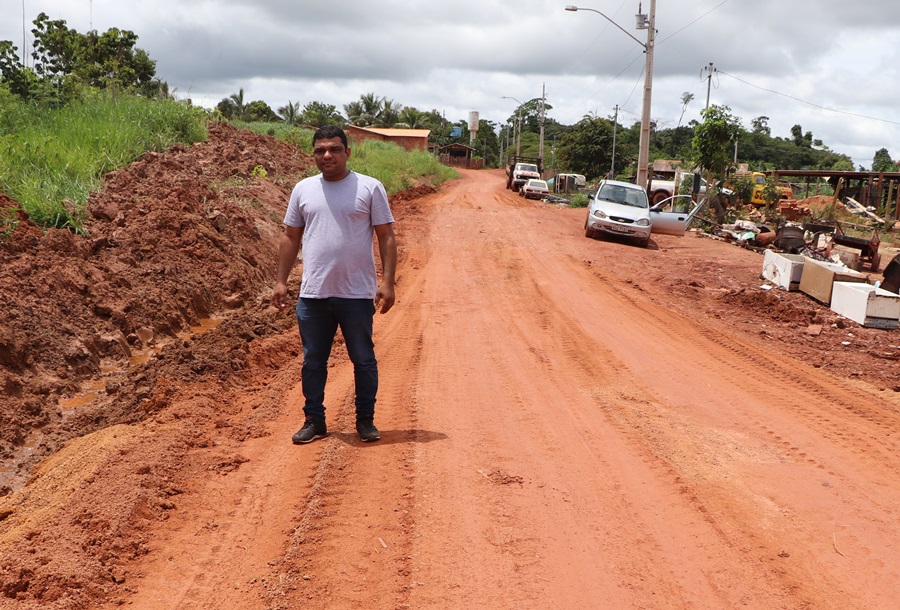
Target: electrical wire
813	104
678	31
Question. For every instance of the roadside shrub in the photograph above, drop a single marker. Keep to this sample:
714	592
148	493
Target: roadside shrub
579	200
743	189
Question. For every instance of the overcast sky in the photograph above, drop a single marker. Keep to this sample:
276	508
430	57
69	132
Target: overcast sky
830	66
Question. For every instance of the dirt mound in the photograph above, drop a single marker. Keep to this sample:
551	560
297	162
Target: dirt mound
170	240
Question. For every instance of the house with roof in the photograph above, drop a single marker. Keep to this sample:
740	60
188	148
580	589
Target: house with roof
410	139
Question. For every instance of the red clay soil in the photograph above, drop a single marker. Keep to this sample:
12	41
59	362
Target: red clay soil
565	422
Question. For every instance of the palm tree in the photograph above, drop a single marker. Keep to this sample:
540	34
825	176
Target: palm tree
686	98
237	102
389	114
372	105
354	110
290	113
412	118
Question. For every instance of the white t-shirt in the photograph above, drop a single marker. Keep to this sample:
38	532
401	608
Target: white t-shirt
338	220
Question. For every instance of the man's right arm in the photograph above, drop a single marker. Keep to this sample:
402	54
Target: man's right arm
288	247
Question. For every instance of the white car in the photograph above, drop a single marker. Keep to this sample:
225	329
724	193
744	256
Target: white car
673	216
619	208
534	189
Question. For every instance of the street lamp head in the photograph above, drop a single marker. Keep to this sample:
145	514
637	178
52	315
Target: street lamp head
571	8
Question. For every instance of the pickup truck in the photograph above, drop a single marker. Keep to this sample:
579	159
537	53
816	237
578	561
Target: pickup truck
663	189
521	170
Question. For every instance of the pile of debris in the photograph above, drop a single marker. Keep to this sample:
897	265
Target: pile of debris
846	291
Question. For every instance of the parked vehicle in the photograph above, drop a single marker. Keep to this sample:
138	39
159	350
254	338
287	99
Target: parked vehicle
758	197
534	189
520	170
567	183
619	208
674	215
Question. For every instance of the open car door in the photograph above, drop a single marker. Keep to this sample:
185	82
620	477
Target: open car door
673	216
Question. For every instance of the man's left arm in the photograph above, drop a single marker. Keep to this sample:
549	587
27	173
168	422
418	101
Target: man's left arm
387	248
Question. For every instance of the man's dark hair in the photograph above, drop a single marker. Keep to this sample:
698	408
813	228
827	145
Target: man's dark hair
330	131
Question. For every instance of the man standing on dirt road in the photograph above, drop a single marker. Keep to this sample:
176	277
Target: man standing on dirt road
333	215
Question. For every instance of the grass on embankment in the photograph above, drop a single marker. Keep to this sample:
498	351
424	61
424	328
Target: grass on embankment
50	155
395	167
52	158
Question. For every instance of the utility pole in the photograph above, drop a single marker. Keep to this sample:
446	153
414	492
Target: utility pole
541	145
710	68
612	165
644	144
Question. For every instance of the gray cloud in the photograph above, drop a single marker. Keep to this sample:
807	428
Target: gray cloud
466	55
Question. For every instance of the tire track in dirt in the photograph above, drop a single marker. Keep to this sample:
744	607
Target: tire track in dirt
553	436
530	399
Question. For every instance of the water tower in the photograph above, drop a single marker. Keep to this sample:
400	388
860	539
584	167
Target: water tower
473	125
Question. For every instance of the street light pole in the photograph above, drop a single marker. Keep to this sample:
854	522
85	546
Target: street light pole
644	148
518	122
643	22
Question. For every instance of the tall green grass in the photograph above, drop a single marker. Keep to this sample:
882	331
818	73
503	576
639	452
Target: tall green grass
51	156
397	168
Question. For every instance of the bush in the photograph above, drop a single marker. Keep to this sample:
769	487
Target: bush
579	200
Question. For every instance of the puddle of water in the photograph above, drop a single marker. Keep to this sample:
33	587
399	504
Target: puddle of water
206	324
95	389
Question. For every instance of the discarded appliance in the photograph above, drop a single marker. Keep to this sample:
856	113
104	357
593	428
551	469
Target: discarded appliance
818	278
789	238
783	270
867	305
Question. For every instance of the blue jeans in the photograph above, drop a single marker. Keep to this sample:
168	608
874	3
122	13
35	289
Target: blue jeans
319	320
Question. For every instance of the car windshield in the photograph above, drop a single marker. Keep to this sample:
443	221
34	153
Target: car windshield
537	183
624	195
528	168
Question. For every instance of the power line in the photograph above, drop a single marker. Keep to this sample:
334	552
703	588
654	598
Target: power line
813	104
678	31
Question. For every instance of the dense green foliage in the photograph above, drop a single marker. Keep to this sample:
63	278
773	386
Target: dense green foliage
714	139
65	61
50	159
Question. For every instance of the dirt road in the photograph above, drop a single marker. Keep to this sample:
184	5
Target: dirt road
565	423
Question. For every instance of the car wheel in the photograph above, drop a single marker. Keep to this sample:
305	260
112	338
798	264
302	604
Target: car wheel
588	232
645	243
658	196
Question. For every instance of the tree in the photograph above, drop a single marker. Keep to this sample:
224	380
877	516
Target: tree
390	113
366	111
318	114
882	161
801	139
412	118
714	139
761	125
20	80
686	98
238	107
259	111
587	148
64	60
354	112
290	113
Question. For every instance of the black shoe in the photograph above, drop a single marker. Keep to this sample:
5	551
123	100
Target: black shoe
311	430
367	430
